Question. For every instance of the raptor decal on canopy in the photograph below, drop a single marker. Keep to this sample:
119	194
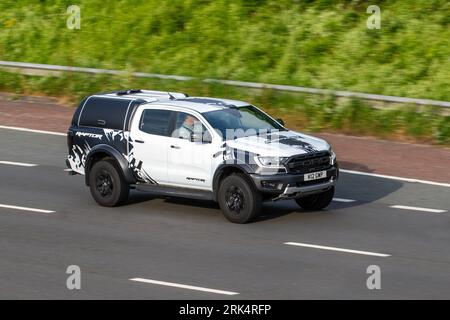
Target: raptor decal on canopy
117	137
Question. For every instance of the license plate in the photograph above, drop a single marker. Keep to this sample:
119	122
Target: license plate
315	175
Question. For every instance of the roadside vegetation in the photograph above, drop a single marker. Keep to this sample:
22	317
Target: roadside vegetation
313	113
322	43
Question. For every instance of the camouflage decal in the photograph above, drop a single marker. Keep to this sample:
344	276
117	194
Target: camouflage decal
294	141
85	140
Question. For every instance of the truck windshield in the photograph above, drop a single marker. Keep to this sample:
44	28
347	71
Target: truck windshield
242	121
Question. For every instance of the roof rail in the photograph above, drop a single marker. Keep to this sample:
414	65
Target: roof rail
126	92
152	93
176	95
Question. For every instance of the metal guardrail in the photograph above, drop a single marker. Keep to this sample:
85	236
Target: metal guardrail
254	85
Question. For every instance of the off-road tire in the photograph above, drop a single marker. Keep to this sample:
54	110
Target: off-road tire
239	200
108	187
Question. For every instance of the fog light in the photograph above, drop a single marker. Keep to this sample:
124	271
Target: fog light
274	185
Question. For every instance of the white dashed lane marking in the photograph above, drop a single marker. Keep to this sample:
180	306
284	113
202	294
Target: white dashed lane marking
184	286
343	200
7	206
383	176
33	131
313	246
418	209
20	164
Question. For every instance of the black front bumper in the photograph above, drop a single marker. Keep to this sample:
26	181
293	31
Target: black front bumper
294	184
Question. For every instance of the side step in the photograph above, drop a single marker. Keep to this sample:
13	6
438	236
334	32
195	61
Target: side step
176	191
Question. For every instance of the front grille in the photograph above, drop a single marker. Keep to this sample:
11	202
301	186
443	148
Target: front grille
311	162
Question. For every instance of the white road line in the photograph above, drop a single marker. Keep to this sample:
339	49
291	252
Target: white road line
20	164
343	200
34	131
183	286
6	206
440	184
367	253
418	209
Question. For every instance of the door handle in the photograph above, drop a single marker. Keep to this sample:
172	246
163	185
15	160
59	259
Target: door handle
139	141
175	147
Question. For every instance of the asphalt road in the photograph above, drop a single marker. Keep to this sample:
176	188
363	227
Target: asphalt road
190	243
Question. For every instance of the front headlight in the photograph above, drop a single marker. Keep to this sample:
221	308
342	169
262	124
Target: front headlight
271	161
332	157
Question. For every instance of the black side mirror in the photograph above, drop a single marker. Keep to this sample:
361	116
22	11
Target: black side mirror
280	121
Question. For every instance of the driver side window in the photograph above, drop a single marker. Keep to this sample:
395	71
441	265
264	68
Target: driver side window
186	125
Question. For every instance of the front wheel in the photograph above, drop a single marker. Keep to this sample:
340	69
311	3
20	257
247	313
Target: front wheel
238	199
316	202
108	187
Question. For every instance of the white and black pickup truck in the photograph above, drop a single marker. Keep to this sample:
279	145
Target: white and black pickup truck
205	148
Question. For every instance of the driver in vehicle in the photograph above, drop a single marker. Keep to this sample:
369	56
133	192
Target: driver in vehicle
187	127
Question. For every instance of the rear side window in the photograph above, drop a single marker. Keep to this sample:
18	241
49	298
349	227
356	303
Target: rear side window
156	122
104	113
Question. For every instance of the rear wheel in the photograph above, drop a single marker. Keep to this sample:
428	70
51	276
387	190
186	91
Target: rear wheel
108	187
238	199
316	201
